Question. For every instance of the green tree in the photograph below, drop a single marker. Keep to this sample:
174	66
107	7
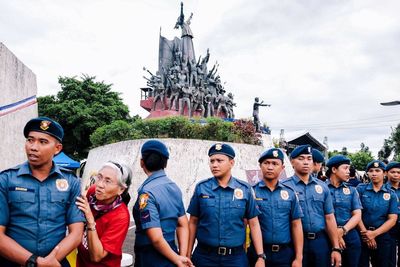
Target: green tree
391	145
82	106
360	159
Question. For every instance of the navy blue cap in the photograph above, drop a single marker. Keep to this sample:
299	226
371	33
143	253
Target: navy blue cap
44	125
155	146
272	153
375	164
223	149
393	164
337	160
303	149
317	156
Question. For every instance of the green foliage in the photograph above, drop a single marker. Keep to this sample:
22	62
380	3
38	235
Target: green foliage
82	106
177	127
359	159
391	145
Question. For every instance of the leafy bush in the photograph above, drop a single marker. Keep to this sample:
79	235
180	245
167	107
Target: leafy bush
241	131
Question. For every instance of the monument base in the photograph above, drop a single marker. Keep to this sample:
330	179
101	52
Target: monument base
147	104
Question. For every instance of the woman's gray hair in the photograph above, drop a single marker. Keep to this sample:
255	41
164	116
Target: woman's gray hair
124	173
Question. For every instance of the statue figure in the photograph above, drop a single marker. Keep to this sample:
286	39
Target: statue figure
198	100
186	92
174	97
204	62
256	106
221	102
159	92
186	36
193	72
178	55
209	99
230	104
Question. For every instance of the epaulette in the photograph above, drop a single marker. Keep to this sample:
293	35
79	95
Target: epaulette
204	180
287	186
66	170
11	169
246	184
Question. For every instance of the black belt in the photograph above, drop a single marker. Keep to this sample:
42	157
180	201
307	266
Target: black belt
221	250
313	235
275	247
371	228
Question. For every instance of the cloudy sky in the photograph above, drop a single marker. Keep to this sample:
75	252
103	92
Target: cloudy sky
324	66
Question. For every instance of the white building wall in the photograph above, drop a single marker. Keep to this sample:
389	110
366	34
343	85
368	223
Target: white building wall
17	82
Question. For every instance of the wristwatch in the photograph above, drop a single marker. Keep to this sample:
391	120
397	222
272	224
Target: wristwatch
262	256
337	250
31	262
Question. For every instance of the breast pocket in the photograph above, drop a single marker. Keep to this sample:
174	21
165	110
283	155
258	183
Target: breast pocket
318	202
59	203
22	201
238	208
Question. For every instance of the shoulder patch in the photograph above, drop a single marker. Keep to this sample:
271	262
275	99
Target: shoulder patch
143	200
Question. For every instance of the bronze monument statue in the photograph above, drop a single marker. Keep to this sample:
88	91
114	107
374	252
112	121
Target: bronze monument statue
256	106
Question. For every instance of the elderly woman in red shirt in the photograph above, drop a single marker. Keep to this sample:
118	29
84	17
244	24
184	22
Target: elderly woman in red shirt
107	216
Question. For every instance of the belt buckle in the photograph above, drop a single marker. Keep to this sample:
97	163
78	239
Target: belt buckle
371	228
311	236
222	251
275	248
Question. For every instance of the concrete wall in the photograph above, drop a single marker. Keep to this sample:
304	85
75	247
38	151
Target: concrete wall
188	163
17	82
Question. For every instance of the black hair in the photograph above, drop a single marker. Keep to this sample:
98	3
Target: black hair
352	171
154	161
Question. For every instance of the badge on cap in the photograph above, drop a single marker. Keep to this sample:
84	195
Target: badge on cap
346	191
143	201
376	164
44	125
386	196
309	149
238	193
62	184
275	153
318	189
218	146
284	195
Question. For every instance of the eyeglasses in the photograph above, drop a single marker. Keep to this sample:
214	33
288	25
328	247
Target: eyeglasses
106	181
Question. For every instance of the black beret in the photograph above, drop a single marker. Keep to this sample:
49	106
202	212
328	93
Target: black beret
375	164
337	160
155	146
393	164
44	125
223	149
317	156
272	153
303	149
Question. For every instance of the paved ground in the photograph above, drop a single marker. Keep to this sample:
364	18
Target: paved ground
130	241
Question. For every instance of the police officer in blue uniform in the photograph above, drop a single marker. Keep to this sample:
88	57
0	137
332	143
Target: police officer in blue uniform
347	205
379	215
218	210
159	213
393	175
37	203
319	224
280	217
318	161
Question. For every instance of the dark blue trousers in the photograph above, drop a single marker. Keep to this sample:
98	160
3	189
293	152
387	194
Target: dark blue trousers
317	252
7	263
201	258
282	258
380	257
395	250
148	256
351	255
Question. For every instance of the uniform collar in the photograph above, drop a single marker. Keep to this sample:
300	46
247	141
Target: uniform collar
311	179
231	184
262	184
342	184
26	170
383	187
153	176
